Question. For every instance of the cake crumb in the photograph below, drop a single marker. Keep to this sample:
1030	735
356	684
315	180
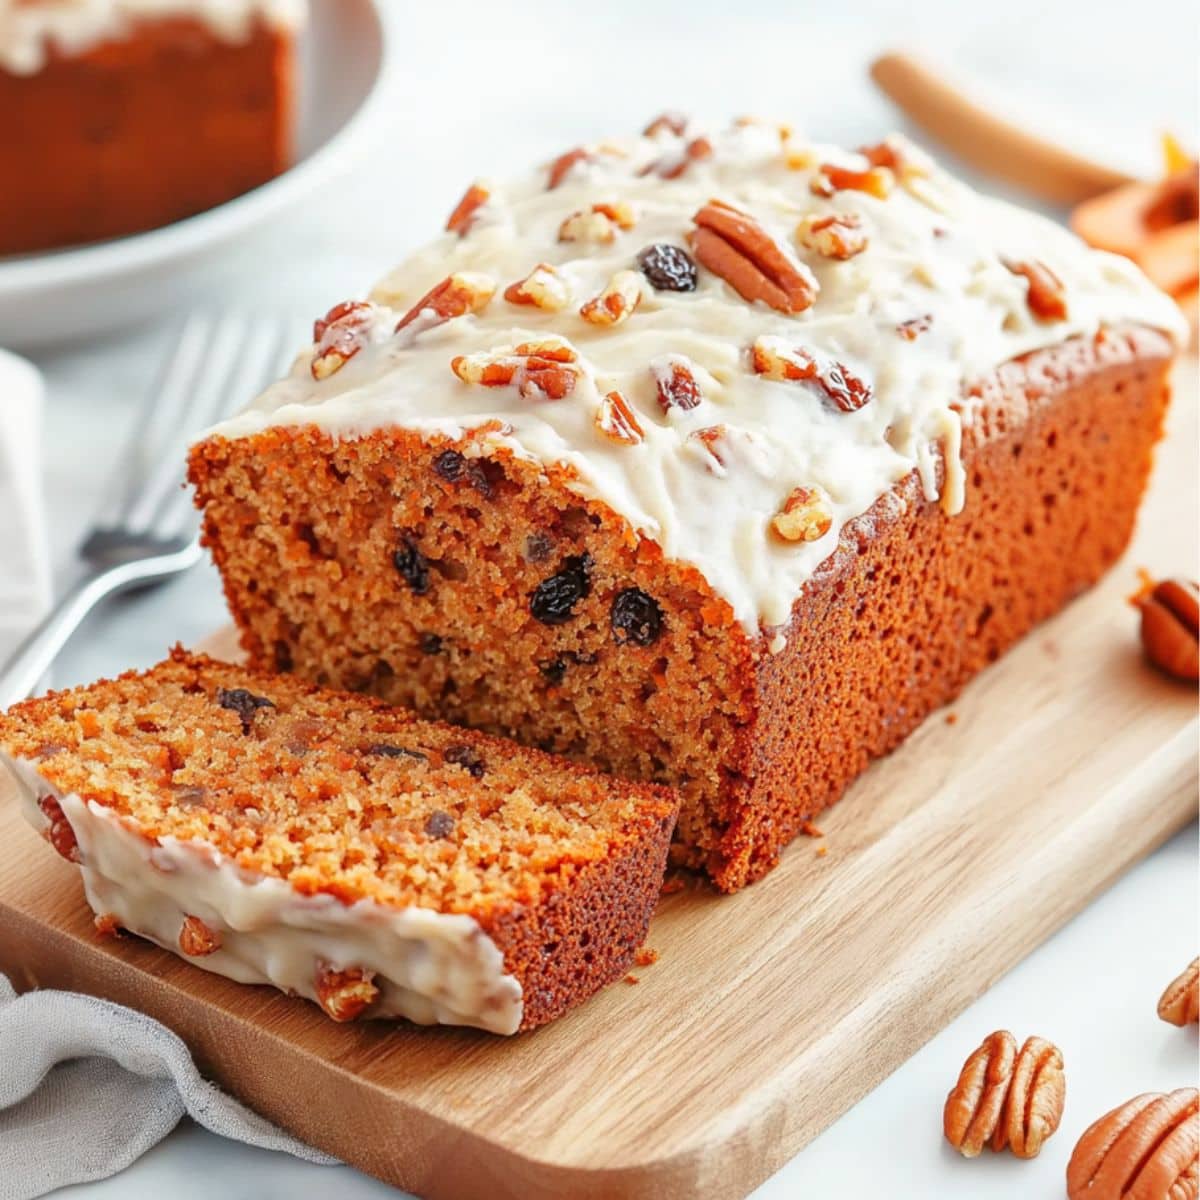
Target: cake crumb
810	830
645	956
107	925
673	883
1146	584
822	851
632	979
952	718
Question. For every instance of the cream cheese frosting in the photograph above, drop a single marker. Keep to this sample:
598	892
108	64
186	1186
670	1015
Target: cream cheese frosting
430	967
930	299
28	28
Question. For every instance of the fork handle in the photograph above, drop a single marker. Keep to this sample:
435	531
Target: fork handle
33	657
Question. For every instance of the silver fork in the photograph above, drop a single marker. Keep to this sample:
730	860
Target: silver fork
147	530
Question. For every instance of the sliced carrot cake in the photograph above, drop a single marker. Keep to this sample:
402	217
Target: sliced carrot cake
339	849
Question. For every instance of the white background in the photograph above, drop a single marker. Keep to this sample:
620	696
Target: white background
483	89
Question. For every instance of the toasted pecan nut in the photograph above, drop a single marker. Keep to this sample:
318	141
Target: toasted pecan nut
108	925
874	181
773	359
538	370
543	288
835	235
804	517
1145	1149
1170	628
562	165
458	294
59	832
912	329
617	420
616	302
712	440
345	995
597	225
667	122
733	245
1180	1003
196	939
1046	296
339	335
1005	1098
463	216
675	382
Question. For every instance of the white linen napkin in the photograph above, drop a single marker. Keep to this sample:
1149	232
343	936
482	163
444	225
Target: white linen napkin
87	1087
24	551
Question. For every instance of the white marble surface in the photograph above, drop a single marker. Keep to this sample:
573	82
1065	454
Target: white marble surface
480	86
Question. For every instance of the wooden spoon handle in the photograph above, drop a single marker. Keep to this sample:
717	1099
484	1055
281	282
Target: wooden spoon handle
986	141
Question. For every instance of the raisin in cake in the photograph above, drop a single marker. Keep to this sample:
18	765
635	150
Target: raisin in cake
716	458
341	849
142	112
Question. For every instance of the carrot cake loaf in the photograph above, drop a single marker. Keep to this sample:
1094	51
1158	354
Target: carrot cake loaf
717	458
341	849
138	112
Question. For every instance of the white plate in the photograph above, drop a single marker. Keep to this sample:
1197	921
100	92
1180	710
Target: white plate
87	290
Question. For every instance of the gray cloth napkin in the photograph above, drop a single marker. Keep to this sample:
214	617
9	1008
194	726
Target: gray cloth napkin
87	1087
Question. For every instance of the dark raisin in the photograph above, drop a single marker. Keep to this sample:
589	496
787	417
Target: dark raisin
283	656
242	702
538	547
553	600
431	643
485	476
439	824
384	750
635	618
463	756
412	565
553	670
668	268
449	465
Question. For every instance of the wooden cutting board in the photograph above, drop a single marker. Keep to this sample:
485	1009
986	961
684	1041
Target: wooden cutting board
768	1013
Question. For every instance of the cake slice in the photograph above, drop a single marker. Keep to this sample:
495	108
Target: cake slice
339	849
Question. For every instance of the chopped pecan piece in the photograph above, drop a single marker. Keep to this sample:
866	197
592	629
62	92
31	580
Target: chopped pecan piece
458	294
543	288
837	235
561	166
108	925
339	335
463	216
539	370
617	420
830	178
673	122
1046	297
196	939
773	360
804	517
616	302
698	149
733	245
912	329
59	832
345	995
711	440
597	225
677	387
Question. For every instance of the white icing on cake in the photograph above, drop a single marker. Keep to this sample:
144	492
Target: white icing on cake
935	249
430	967
28	28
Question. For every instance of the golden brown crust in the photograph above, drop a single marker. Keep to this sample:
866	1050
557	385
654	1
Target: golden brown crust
893	625
138	132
